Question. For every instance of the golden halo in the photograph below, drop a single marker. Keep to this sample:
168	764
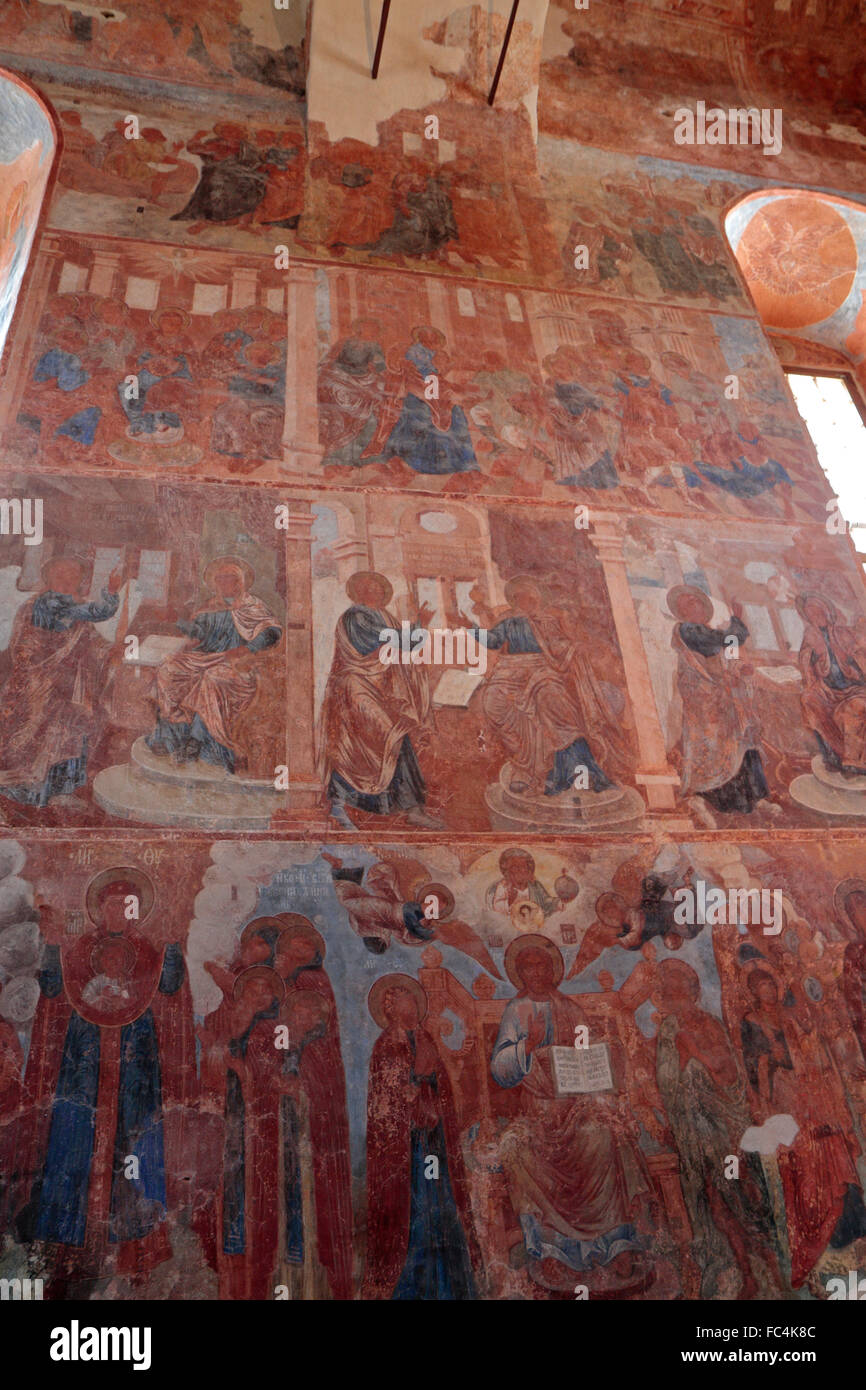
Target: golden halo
294	924
680	970
609	899
259	972
680	591
811	597
541	943
376	997
129	955
158	315
76	560
137	877
258	924
841	892
286	924
364	576
224	562
518	582
509	855
444	896
424	330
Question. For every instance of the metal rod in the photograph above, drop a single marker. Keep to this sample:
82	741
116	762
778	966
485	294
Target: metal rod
505	43
382	24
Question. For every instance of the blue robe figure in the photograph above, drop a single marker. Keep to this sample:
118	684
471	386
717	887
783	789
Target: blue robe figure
421	1242
144	422
50	698
67	370
191	678
514	636
418	441
112	1047
361	630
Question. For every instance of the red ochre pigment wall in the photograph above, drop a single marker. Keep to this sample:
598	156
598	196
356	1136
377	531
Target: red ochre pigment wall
288	372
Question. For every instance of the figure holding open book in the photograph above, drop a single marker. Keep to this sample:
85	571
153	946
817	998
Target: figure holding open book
575	1174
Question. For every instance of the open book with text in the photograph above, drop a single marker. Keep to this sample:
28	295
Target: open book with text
579	1071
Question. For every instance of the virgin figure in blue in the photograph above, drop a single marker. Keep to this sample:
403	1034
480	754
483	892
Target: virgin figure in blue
421	1241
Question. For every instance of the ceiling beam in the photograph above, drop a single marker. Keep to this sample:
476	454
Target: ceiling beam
504	50
386	6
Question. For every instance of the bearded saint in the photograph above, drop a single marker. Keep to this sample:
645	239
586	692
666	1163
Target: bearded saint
372	711
542	698
575	1174
202	690
350	393
721	760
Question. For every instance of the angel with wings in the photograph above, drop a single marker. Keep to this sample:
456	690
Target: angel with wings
381	908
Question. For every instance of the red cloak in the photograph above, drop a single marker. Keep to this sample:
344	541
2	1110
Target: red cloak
324	1082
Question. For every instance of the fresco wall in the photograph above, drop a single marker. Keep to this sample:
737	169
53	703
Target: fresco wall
314	939
316	936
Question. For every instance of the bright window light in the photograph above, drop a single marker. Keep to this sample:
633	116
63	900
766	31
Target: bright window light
839	435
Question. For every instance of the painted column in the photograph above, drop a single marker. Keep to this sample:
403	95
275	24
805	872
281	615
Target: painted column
653	771
304	797
106	265
245	280
302	452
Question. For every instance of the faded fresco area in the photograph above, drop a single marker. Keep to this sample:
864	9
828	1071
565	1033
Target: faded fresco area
153	359
230	44
432	659
538	399
223	184
143	663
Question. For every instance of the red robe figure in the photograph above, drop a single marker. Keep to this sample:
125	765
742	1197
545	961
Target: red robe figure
112	1051
11	1062
288	1204
299	955
250	1201
850	902
421	1242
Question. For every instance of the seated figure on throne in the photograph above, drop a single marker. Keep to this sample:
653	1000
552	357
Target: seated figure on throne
203	690
542	698
576	1178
